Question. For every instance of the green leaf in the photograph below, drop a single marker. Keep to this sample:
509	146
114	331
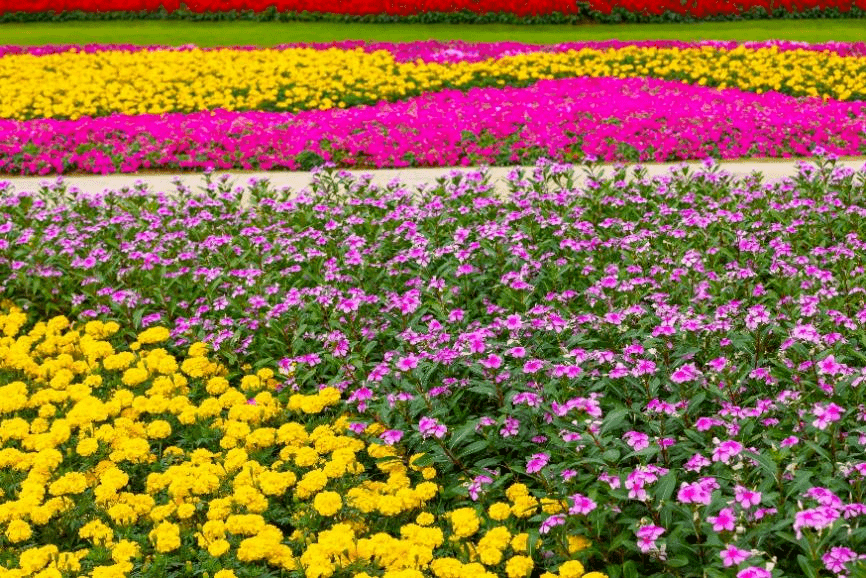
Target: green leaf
806	567
665	487
613	420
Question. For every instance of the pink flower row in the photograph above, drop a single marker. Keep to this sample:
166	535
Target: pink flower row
611	119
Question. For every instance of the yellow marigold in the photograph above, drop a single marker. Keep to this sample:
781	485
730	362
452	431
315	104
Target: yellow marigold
124	550
166	537
516	491
519	542
97	532
197	349
577	543
218	547
86	447
595	575
217	385
425	519
69	483
158	429
18	531
571	569
327	503
499	511
520	566
464	522
195	366
154	335
225	574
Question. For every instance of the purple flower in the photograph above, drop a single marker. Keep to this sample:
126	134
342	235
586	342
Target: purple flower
536	463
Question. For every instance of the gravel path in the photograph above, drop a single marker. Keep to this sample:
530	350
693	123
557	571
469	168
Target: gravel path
771	169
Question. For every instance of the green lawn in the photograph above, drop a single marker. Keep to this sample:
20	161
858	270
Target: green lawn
175	32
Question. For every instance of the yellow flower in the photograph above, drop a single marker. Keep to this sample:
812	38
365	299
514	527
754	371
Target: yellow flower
577	543
153	335
158	429
520	566
70	483
571	569
499	511
595	575
18	531
464	522
225	574
166	537
218	547
327	503
197	349
135	376
425	519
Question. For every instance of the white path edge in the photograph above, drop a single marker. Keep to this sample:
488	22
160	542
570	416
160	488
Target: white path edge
414	178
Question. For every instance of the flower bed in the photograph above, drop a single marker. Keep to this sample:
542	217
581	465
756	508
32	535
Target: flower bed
536	11
654	377
570	120
293	79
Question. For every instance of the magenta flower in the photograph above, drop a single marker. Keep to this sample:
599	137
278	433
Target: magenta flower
694	493
731	555
746	497
428	426
727	450
391	436
582	505
647	536
818	518
725	521
754	572
551	522
536	463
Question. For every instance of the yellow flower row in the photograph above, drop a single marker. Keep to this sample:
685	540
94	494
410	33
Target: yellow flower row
71	84
102	439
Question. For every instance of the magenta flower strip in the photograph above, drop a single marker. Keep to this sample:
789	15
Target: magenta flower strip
567	120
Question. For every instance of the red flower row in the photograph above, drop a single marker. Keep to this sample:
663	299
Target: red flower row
694	8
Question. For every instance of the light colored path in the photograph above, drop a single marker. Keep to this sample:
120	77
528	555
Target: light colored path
771	169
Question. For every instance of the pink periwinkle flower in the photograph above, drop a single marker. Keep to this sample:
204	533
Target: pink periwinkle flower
536	463
694	493
647	536
746	497
636	440
836	559
727	450
818	518
391	436
428	426
754	572
725	521
582	505
549	523
731	555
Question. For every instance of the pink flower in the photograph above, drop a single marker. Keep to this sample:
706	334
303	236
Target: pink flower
582	505
391	436
532	366
536	463
428	426
746	497
694	493
407	363
731	555
726	450
726	520
647	536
